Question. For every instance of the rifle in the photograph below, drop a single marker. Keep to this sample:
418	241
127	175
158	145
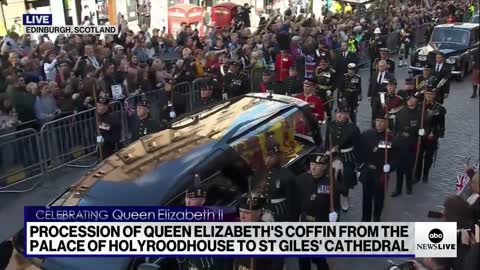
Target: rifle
419	139
332	208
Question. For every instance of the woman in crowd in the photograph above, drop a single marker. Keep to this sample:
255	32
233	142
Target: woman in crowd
45	106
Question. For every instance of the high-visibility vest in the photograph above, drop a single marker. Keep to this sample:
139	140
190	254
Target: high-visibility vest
351	46
348	8
3	30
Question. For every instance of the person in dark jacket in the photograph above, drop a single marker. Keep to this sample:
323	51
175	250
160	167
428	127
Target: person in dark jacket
110	128
143	123
208	93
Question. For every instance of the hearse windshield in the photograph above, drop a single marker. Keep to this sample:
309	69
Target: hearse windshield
450	38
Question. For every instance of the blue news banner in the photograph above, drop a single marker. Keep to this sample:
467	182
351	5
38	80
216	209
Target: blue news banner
128	214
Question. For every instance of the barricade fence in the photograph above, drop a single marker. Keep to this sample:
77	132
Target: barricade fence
32	151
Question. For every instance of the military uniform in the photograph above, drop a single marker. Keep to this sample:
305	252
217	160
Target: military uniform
326	87
375	44
110	128
422	81
235	84
345	136
434	128
372	171
314	196
406	129
270	85
406	93
389	102
390	65
145	126
172	103
278	188
292	85
406	37
351	91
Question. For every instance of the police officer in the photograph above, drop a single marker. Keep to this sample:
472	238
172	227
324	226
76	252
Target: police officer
143	123
342	137
292	85
374	168
196	196
408	91
385	55
278	184
314	195
406	129
433	130
236	82
351	91
268	85
326	81
110	128
375	43
442	72
421	80
251	210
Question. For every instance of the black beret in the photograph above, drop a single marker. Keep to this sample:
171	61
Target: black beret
392	81
384	50
143	103
319	159
310	80
408	80
251	202
267	72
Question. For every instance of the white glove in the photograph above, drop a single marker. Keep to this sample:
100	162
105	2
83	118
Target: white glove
100	139
173	114
333	216
358	174
75	96
421	132
267	217
386	168
329	93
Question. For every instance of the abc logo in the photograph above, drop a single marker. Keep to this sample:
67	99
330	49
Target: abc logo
435	236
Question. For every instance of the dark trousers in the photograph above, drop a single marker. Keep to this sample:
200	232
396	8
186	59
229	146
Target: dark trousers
108	149
401	172
6	250
306	263
373	195
427	153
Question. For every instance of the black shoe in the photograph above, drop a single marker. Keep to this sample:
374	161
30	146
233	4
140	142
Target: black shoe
409	192
395	194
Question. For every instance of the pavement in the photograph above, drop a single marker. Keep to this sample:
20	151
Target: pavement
461	138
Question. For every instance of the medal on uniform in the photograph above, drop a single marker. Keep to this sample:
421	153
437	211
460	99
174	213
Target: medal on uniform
144	131
375	149
313	197
169	104
278	183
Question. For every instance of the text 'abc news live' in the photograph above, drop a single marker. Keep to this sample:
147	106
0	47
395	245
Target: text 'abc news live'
182	231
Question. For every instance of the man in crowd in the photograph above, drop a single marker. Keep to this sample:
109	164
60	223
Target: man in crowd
351	91
342	137
143	123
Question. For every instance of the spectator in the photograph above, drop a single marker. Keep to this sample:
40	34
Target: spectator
50	66
45	107
8	115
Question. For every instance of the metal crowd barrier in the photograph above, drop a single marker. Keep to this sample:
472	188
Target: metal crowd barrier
20	161
117	108
185	91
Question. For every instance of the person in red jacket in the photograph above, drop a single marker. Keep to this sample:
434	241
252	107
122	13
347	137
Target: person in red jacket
283	62
316	103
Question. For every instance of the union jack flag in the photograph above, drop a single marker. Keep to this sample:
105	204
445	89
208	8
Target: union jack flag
461	181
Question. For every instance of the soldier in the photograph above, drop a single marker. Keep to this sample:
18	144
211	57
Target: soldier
442	73
385	55
376	42
236	82
422	79
110	128
390	101
292	85
406	37
406	130
208	93
143	123
283	60
432	131
373	169
378	85
196	196
316	103
268	85
172	104
251	210
351	91
314	195
325	77
408	91
342	136
277	184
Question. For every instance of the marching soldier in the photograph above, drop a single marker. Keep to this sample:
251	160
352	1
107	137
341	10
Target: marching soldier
442	72
314	196
251	210
405	42
110	128
268	85
342	137
406	130
292	85
278	184
408	91
236	82
421	80
143	123
378	85
325	77
172	104
316	103
432	131
196	196
373	169
351	91
390	101
376	42
384	55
